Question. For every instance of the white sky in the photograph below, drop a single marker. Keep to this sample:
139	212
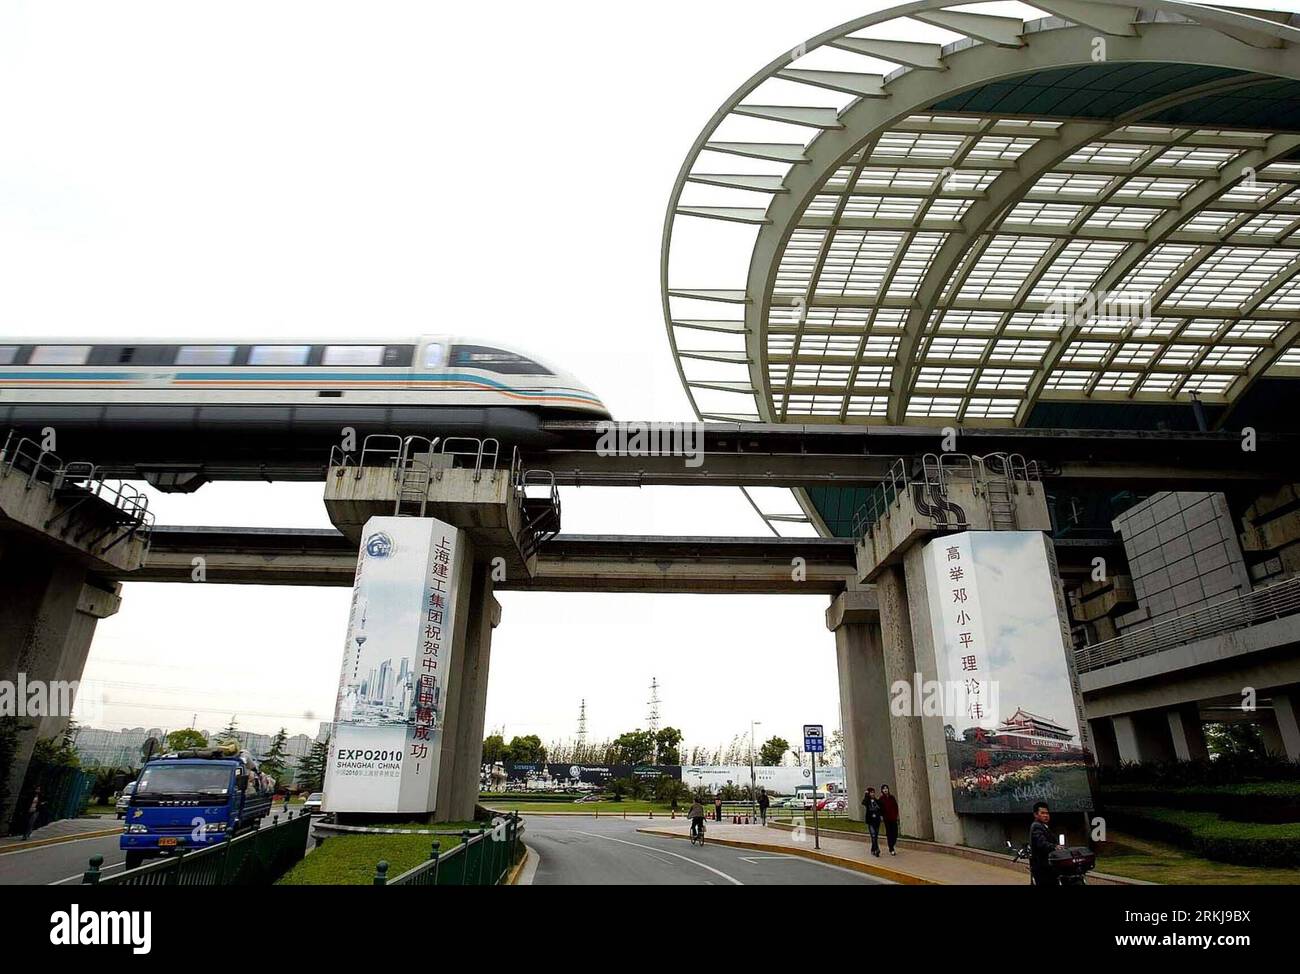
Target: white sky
328	169
334	169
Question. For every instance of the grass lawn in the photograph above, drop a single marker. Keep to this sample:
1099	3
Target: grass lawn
102	810
349	860
1160	862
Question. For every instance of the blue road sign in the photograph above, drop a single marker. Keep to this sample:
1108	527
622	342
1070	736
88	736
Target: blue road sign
814	741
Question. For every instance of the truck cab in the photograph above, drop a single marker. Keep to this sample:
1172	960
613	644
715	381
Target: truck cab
191	799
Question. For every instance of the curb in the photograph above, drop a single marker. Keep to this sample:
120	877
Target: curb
57	840
525	869
903	879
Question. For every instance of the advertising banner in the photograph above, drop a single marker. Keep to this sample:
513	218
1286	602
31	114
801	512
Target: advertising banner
1008	704
388	717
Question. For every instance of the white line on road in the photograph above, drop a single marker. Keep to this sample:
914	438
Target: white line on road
762	858
79	876
703	865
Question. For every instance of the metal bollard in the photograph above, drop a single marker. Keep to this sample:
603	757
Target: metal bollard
91	876
381	873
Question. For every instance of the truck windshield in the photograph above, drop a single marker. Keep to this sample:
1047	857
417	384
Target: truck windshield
177	779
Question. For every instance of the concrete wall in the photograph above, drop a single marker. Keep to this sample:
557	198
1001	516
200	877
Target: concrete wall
1183	553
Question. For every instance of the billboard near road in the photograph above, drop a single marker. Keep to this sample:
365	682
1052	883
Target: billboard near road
388	716
1009	707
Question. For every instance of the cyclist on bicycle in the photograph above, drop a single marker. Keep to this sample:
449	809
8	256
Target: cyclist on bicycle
696	815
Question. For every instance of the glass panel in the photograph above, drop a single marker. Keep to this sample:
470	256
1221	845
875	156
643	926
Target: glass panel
60	354
8	353
279	355
435	356
205	355
353	355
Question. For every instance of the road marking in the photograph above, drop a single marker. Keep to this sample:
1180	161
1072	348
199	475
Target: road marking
763	858
61	840
80	876
703	865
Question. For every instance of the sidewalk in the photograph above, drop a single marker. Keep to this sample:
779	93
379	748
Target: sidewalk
917	863
63	830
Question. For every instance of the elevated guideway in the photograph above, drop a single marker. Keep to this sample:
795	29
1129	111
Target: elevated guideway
739	455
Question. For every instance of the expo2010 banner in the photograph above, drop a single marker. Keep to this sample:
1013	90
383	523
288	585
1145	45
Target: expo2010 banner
1010	710
388	717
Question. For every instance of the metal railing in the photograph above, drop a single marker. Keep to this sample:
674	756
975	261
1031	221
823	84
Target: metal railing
76	483
1249	609
936	472
482	858
253	859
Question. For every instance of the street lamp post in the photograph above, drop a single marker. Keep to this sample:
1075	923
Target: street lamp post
753	777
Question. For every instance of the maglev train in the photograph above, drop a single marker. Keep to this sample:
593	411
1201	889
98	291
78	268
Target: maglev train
184	392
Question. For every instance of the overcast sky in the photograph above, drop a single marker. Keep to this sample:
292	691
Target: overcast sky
317	169
325	169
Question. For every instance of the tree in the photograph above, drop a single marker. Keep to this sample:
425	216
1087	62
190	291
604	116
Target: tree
56	752
616	788
494	749
772	751
668	746
185	738
274	761
634	747
228	734
672	791
1235	739
526	750
311	767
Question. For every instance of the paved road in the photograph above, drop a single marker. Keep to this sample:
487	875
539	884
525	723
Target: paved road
577	851
61	862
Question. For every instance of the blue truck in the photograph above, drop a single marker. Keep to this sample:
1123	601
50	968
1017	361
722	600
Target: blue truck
190	799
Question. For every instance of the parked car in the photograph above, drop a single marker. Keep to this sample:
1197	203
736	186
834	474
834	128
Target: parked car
833	803
312	805
124	799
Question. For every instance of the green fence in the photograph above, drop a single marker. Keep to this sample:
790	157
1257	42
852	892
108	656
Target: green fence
254	859
483	858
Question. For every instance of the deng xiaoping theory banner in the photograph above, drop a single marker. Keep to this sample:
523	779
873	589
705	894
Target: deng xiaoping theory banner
388	717
1009	707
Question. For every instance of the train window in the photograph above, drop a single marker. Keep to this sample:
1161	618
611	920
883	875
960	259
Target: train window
59	355
353	355
495	360
398	356
435	356
279	355
206	355
8	354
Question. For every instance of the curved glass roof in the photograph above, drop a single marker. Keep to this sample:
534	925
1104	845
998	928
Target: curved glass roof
947	214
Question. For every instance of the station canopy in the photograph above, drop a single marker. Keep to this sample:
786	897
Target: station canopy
1075	212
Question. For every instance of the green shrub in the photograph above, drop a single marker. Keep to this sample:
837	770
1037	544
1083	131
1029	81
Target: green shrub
1225	770
1208	836
1273	801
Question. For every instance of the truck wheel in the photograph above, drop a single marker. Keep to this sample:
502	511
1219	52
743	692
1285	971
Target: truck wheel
134	859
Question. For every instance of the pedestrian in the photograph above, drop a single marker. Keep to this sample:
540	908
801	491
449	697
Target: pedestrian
763	802
1041	845
872	814
717	807
33	812
889	812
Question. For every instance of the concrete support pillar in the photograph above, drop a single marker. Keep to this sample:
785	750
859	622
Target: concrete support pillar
484	616
864	694
911	778
454	706
39	593
97	601
1142	737
1103	739
1186	733
1286	709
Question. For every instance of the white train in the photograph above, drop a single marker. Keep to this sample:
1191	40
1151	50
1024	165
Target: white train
284	386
